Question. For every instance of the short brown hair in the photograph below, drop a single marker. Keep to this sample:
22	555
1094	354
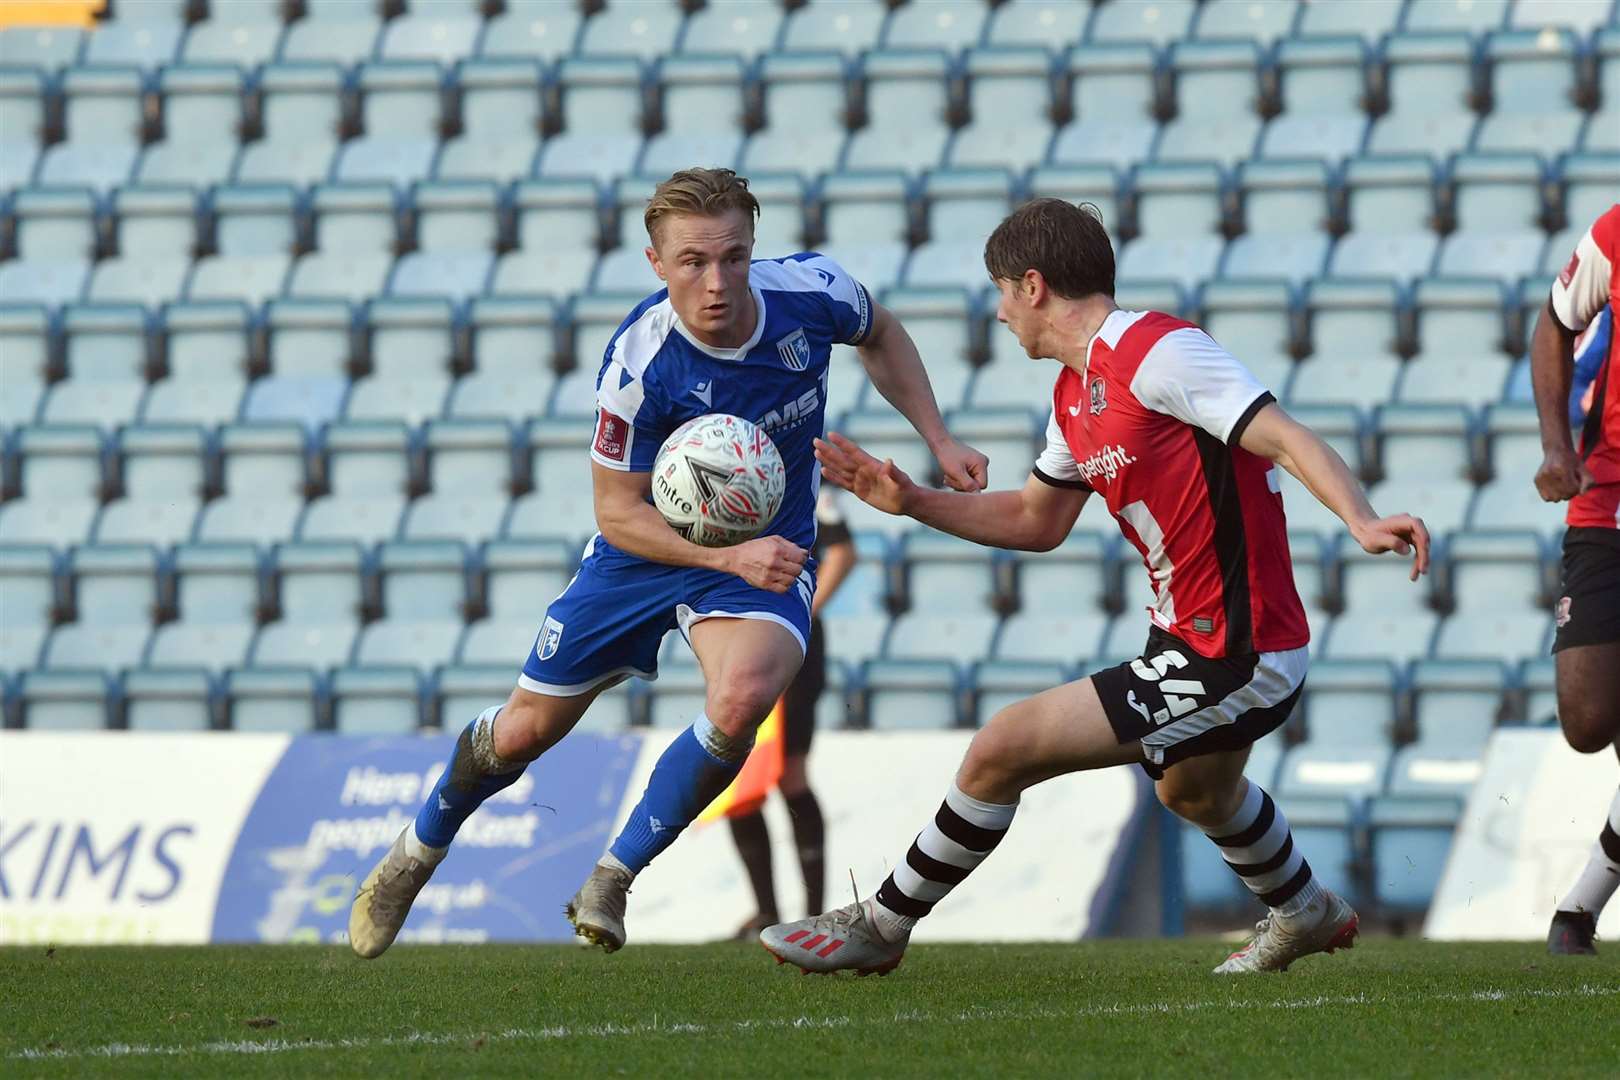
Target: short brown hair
705	192
1065	242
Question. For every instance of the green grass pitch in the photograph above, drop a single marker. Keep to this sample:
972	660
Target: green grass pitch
1118	1008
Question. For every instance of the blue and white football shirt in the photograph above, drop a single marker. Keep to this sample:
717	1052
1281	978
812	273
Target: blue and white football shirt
655	376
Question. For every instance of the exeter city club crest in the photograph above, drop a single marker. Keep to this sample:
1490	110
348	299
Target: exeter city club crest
1099	400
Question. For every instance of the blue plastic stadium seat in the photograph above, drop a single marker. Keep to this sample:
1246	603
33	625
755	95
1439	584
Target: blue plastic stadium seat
102	166
1350	703
1460	338
746	27
144	44
1411	840
1370	19
1467	15
517	574
643	30
1497	586
23	106
442	37
380	700
544	32
1175	201
501	117
242	41
28	574
201	103
49	47
1188	261
1112	97
1389	193
701	95
345	41
1038	23
906	103
1354	318
1323	88
217	594
1160	23
1575	14
1422	442
263	478
1533	87
1007	434
67	700
1215	79
275	699
588	154
115	590
102	105
851	27
1254	322
177	699
319	590
1386	616
1010	100
948	24
946	577
1429	82
780	228
26	344
354	218
300	111
1514	443
862	208
1245	19
910	694
60	474
995	684
804	97
164	474
1069	639
601	95
1456	702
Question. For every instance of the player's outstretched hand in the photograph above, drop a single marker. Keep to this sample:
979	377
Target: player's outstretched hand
1400	533
964	468
879	484
768	562
1563	475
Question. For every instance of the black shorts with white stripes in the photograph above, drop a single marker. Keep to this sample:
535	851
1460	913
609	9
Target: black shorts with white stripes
1182	705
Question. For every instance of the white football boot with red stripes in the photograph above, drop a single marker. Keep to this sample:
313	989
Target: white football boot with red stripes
1327	925
840	940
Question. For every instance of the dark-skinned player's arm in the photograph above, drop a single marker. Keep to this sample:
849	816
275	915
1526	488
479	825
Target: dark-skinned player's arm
1576	297
1281	439
1034	518
632	524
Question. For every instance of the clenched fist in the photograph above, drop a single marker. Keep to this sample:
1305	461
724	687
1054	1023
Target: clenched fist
767	562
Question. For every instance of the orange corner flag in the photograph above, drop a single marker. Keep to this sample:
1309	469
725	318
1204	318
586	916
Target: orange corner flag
760	773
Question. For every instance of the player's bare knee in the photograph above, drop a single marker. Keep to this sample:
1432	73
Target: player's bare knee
526	728
739	701
1199	805
992	766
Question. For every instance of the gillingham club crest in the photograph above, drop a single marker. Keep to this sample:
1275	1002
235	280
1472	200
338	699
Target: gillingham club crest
551	632
794	351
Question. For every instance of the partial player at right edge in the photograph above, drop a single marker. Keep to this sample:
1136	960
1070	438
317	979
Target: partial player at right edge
1184	445
1586	649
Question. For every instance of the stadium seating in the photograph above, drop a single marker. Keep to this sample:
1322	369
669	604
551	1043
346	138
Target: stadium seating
301	308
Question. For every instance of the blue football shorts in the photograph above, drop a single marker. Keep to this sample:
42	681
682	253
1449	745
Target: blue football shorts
610	620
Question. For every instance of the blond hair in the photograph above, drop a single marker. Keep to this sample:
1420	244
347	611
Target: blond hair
704	192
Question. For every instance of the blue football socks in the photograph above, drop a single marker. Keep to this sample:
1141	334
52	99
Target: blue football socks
692	772
473	774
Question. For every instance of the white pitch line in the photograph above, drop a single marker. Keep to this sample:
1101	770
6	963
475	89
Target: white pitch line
907	1016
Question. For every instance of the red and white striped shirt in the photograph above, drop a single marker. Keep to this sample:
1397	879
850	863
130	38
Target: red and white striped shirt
1153	426
1589	282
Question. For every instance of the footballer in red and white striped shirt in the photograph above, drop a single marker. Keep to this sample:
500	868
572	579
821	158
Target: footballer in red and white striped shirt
1184	445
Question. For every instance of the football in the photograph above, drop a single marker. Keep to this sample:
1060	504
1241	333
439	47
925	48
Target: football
718	480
